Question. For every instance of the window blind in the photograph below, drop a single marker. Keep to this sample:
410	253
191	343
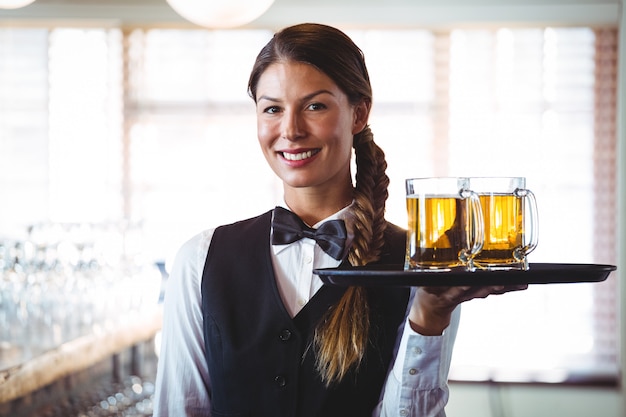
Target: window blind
524	102
23	127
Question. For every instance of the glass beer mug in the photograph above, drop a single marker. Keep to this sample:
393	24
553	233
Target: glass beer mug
510	216
445	225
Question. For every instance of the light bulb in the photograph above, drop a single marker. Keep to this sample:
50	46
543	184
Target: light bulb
14	4
220	13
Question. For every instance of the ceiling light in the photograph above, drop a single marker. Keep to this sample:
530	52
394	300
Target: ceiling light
220	13
14	4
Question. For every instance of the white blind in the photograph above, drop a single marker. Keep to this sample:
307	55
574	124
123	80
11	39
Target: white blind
522	103
23	127
85	124
155	127
194	161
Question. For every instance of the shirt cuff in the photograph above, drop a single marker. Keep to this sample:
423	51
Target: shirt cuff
419	360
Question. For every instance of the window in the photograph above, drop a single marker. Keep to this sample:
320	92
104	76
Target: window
191	133
534	113
153	127
516	102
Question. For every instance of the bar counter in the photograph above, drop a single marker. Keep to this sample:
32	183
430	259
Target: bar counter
74	356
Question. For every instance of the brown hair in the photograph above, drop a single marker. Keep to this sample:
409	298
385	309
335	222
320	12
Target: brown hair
342	336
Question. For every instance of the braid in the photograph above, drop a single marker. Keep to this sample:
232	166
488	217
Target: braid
370	197
341	340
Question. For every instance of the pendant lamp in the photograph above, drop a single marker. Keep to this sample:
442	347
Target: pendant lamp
14	4
220	13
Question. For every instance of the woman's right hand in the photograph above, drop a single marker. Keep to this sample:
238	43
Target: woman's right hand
432	307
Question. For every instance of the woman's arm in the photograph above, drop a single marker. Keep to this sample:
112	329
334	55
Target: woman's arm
432	307
182	383
418	382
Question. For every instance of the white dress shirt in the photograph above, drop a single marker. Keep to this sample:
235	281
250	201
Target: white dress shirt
416	385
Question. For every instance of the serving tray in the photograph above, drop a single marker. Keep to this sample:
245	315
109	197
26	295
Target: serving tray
395	275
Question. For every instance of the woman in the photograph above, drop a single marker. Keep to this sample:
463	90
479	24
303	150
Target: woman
248	329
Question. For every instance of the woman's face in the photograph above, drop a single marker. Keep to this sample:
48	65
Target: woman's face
305	126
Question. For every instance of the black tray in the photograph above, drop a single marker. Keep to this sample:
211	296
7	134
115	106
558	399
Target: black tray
394	275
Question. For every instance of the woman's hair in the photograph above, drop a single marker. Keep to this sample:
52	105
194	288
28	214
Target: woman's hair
341	338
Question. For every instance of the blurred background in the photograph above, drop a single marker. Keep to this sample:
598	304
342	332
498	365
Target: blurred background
125	129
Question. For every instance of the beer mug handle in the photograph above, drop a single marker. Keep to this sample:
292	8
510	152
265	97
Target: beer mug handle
477	227
531	238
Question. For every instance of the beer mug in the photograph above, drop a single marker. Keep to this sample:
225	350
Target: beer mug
510	216
445	225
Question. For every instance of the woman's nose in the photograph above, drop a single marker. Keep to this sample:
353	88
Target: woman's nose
291	126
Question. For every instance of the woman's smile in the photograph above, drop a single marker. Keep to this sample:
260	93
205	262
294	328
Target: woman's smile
298	155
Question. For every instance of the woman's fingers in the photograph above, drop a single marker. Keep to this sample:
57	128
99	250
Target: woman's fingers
457	295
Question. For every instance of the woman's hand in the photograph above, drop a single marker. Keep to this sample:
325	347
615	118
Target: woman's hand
433	306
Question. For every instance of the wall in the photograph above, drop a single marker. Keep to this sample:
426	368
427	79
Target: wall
355	13
475	400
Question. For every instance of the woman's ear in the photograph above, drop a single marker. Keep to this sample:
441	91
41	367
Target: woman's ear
361	116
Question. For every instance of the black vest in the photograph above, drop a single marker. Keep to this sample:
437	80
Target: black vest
260	359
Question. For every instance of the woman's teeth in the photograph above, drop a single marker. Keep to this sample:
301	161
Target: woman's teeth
298	156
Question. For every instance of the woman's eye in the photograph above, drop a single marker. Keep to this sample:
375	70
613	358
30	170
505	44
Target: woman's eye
271	110
316	106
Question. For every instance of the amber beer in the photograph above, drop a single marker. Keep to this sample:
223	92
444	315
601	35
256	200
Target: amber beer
503	215
437	234
444	224
508	209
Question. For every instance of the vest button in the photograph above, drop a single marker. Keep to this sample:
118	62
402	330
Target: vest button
285	335
280	381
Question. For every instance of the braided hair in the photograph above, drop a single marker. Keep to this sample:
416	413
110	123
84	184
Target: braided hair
342	335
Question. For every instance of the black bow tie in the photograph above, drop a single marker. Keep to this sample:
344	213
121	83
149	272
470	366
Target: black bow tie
287	228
